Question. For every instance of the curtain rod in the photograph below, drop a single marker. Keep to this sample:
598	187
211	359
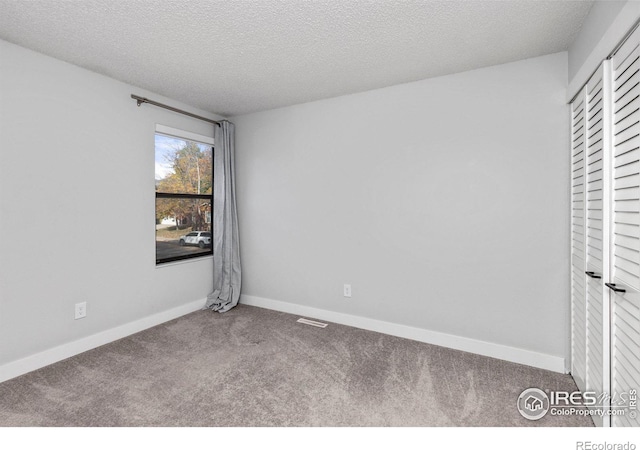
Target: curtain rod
141	100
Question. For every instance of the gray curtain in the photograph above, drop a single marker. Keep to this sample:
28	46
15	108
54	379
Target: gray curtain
226	248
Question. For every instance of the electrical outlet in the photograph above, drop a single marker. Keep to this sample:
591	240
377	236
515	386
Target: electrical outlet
81	310
347	290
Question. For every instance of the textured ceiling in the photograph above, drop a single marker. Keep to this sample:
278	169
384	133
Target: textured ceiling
237	56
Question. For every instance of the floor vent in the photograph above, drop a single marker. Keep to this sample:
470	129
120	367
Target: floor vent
312	323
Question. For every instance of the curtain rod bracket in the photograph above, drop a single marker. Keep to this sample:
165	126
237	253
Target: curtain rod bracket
140	100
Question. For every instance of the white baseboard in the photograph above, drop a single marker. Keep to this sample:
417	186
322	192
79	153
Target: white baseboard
33	362
517	355
506	353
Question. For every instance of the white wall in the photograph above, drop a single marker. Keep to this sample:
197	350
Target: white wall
77	206
445	203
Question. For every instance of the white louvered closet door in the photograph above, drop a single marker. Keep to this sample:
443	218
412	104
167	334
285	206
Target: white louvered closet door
624	286
597	131
578	309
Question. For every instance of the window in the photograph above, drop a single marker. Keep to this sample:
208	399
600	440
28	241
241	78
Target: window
184	195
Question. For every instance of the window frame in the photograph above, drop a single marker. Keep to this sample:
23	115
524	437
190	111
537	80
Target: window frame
199	139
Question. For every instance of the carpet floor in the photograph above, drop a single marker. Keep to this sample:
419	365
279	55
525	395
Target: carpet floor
256	367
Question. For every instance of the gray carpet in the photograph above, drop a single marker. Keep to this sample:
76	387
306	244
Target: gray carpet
256	367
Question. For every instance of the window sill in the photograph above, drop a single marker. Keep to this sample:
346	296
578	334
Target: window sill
185	261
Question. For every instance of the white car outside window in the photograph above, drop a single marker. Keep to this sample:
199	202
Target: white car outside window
200	238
